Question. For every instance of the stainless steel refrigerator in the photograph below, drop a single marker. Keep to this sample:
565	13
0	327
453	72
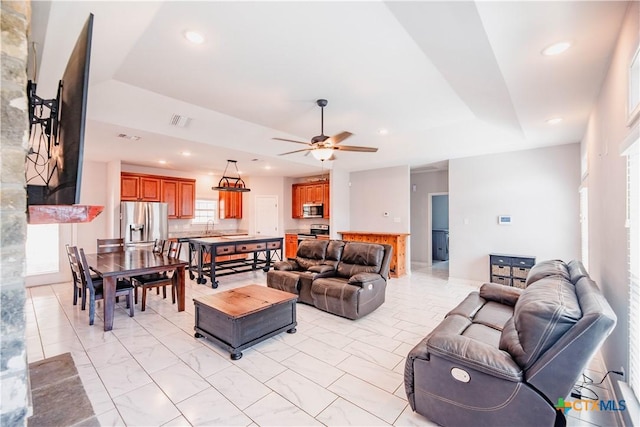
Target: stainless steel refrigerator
141	223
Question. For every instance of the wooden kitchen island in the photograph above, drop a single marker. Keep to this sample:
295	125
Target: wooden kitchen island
398	242
204	251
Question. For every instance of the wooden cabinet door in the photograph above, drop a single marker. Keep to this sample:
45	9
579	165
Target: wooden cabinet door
317	193
187	199
170	197
326	200
296	201
308	194
230	205
149	189
290	245
129	186
223	201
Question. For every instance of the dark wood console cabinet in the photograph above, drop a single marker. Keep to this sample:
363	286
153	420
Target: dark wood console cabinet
510	270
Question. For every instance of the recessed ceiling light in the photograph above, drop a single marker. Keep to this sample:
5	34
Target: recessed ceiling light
162	162
194	37
267	167
383	131
186	153
556	48
554	121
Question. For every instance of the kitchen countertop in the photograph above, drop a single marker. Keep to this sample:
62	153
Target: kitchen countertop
297	231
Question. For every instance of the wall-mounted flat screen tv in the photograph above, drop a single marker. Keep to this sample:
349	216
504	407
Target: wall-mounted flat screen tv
64	165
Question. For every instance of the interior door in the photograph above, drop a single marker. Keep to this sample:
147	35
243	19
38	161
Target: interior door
267	216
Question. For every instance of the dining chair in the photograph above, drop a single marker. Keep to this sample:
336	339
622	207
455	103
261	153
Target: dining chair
78	289
105	246
95	288
157	280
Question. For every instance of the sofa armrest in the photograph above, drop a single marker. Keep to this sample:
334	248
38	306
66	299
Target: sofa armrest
321	268
288	265
364	279
476	355
500	293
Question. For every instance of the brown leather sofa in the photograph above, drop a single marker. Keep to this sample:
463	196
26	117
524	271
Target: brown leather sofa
504	356
344	278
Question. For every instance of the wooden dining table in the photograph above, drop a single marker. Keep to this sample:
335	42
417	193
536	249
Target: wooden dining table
133	262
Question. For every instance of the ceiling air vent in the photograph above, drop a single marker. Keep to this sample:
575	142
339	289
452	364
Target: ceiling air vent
131	137
179	121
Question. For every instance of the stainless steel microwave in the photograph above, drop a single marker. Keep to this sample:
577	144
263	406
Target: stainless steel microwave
312	210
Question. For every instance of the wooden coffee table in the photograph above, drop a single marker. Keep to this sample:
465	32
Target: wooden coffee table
239	318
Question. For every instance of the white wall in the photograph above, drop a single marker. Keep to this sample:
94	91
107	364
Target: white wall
92	192
376	191
538	188
425	184
339	193
607	188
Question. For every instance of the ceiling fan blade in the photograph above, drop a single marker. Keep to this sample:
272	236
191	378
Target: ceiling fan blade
338	138
291	140
296	151
355	148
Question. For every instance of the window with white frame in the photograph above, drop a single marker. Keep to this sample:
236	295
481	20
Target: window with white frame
42	252
206	210
633	245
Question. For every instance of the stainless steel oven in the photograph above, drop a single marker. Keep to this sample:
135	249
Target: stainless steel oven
312	210
314	231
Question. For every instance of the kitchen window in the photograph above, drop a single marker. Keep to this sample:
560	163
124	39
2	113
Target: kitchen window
206	210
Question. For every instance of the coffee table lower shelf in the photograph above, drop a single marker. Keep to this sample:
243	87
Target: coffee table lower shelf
218	319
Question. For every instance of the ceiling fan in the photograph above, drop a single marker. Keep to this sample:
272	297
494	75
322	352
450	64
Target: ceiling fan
322	147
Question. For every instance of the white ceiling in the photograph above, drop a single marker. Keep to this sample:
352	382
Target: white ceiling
447	79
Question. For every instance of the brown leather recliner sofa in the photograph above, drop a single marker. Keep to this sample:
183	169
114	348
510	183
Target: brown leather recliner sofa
348	279
504	356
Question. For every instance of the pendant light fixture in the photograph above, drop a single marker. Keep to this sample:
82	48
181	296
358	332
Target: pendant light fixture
231	183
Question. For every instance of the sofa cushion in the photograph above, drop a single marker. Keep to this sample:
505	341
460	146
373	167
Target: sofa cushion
547	269
284	281
494	315
545	311
334	252
311	252
360	258
576	271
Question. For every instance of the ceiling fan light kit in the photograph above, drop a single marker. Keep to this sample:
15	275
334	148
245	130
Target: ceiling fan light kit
322	147
322	154
231	183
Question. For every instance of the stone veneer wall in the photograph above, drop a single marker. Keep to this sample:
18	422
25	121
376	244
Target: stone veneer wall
14	23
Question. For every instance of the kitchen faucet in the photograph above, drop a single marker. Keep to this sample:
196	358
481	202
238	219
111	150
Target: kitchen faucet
206	227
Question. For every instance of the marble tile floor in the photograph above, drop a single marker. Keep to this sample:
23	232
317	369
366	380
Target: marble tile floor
151	371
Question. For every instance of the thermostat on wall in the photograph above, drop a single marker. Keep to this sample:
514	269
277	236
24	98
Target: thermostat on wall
504	219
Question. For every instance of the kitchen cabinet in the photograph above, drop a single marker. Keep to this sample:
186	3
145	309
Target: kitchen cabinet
187	199
326	199
398	242
510	270
304	193
180	198
139	188
178	193
290	245
296	201
230	204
